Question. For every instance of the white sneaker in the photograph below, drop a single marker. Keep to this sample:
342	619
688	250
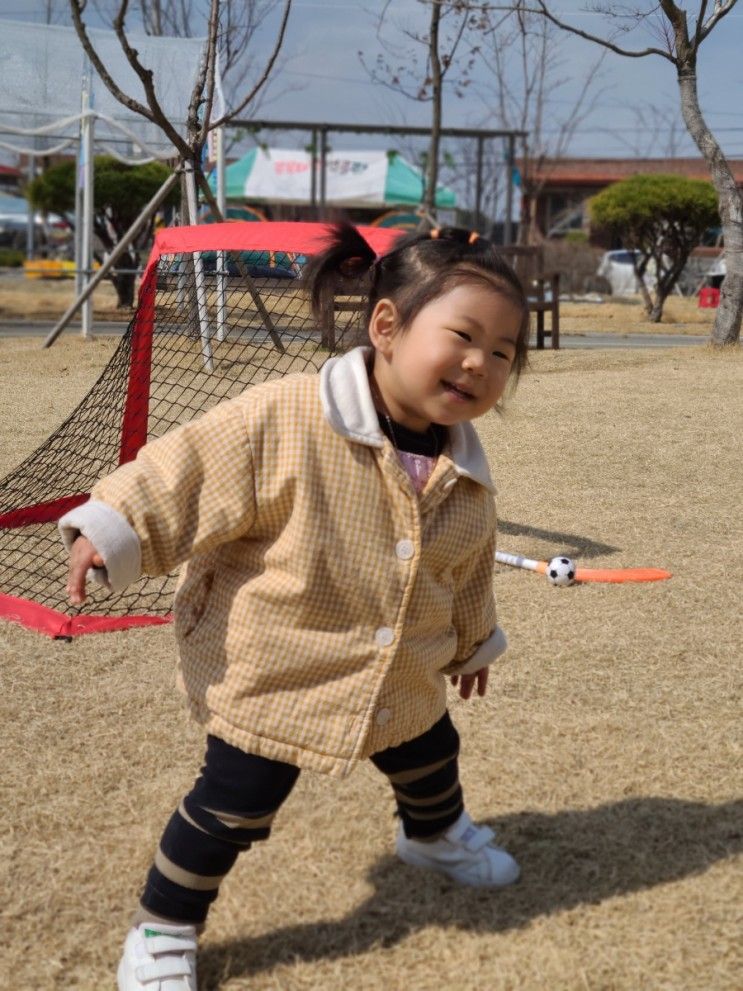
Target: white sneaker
465	853
158	957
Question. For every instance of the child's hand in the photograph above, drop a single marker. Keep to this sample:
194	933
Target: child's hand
467	682
83	556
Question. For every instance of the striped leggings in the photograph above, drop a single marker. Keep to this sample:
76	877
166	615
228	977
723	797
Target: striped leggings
237	795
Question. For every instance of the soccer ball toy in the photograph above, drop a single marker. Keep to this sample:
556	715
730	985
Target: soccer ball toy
561	571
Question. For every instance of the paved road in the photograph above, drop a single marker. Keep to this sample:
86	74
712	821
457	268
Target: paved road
630	340
27	328
34	328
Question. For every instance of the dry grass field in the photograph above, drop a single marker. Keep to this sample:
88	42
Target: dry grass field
607	753
23	299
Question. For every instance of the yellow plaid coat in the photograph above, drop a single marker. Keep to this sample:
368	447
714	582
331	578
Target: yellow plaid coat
321	601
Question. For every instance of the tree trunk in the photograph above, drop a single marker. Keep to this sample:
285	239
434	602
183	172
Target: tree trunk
647	299
727	325
124	286
656	309
432	170
524	225
124	282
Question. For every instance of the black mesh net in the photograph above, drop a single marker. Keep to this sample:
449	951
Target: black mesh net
242	320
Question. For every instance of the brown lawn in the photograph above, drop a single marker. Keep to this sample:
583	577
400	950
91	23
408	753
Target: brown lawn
607	753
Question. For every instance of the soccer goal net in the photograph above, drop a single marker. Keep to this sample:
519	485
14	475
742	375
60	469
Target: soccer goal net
220	308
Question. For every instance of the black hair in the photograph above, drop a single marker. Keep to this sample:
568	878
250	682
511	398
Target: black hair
420	268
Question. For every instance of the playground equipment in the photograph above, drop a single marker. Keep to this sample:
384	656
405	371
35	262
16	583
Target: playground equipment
200	334
614	575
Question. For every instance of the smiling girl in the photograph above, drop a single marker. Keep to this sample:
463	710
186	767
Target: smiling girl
336	534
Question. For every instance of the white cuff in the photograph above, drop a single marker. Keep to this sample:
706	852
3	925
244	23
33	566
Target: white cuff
112	536
487	652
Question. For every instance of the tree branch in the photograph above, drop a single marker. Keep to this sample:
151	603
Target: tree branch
628	53
720	11
204	80
76	9
700	22
158	116
225	118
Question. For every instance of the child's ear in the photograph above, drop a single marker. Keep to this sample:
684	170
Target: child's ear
383	325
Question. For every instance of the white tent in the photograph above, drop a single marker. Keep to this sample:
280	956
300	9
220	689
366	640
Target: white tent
353	178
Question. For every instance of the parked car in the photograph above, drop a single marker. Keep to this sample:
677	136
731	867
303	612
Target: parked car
49	231
618	268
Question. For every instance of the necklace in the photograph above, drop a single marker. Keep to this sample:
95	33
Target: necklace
432	438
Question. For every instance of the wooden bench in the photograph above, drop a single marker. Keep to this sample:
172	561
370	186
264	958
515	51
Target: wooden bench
542	288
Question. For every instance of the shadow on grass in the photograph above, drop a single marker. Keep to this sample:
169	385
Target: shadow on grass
571	544
569	859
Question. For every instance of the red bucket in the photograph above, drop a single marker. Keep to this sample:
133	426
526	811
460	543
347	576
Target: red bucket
709	298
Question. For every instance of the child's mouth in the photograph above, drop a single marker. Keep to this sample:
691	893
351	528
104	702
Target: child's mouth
456	391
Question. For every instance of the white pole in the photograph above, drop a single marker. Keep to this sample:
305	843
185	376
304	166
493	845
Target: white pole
31	212
86	154
201	303
221	255
79	284
109	263
79	278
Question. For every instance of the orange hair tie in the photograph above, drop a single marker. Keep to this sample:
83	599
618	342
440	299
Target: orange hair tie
435	233
474	236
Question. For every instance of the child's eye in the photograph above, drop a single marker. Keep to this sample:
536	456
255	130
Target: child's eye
461	333
500	354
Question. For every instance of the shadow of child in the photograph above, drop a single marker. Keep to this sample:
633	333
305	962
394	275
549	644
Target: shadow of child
568	858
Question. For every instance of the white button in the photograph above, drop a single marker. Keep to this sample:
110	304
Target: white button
404	549
384	636
383	717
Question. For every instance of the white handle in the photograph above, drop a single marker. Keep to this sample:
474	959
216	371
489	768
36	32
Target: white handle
517	561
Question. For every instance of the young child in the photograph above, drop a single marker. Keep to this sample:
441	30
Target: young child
337	537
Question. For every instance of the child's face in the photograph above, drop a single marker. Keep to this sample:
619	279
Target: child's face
452	363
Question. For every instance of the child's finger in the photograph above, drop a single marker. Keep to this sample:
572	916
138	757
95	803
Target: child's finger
76	581
482	681
83	556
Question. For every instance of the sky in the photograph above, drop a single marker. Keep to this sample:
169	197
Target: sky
321	78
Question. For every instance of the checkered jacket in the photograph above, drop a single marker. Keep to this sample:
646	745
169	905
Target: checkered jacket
321	601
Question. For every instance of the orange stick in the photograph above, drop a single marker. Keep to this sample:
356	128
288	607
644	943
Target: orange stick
615	575
621	574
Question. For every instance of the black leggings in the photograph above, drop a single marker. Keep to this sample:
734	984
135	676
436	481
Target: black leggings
234	801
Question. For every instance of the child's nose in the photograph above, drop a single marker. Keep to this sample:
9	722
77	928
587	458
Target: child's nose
474	361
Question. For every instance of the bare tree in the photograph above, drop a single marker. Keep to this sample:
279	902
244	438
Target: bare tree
421	77
658	132
50	11
520	51
679	43
200	118
239	20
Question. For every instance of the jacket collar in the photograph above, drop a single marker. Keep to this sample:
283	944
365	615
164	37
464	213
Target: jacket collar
349	409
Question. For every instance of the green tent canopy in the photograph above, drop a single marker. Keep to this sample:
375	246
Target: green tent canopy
353	178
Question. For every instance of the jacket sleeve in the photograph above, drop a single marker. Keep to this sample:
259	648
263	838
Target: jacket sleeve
185	493
480	641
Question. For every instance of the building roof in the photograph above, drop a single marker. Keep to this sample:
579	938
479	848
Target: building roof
602	171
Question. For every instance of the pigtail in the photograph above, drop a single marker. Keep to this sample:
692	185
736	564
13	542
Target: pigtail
347	258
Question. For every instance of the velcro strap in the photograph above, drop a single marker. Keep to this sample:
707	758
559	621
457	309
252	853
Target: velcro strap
162	943
476	837
162	969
